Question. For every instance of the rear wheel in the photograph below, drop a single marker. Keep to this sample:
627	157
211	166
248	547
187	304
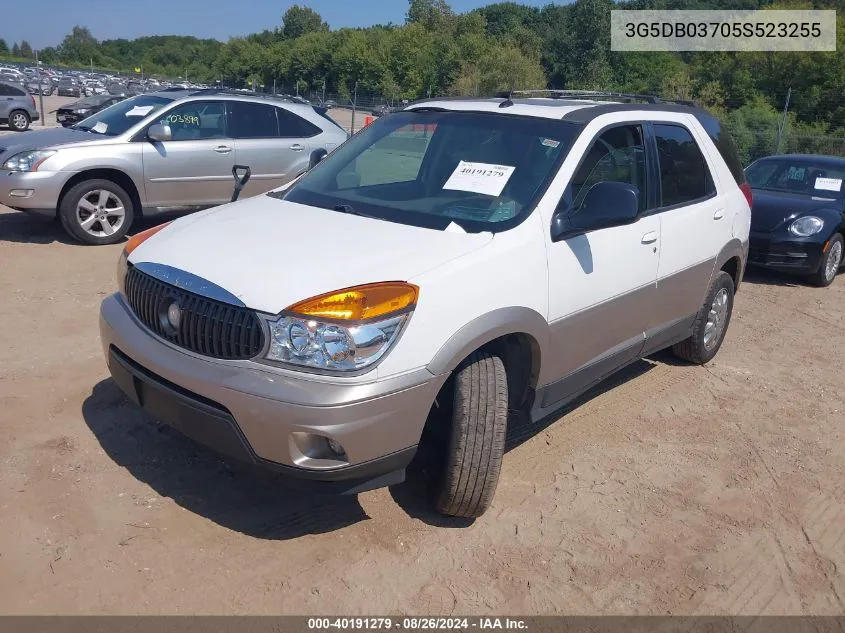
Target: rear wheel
97	212
19	120
479	420
711	322
831	262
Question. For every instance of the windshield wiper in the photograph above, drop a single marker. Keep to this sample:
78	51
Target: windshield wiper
350	210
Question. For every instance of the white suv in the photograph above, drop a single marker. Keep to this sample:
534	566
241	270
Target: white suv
452	265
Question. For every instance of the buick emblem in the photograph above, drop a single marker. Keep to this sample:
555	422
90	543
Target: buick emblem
174	315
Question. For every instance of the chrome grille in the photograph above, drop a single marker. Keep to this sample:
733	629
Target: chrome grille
207	327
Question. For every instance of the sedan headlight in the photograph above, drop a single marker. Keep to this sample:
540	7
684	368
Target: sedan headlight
342	331
82	111
806	226
27	161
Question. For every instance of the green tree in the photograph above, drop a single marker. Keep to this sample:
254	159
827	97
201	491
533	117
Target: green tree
298	21
432	14
79	46
16	50
4	48
26	50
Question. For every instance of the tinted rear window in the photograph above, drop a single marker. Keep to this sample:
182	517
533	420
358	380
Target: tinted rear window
725	144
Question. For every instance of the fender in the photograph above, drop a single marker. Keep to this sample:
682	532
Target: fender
490	326
734	248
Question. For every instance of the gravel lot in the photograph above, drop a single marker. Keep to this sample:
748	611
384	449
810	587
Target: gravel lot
673	489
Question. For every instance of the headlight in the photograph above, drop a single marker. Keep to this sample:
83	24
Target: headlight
27	161
342	331
806	226
131	244
82	111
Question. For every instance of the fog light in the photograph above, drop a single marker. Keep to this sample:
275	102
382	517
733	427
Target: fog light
335	447
21	193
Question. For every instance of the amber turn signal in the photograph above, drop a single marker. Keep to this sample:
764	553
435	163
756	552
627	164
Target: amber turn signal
361	302
139	238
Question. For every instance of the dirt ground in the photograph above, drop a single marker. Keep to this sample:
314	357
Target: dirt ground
673	489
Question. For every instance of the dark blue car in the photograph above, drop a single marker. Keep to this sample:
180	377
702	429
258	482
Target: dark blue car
798	215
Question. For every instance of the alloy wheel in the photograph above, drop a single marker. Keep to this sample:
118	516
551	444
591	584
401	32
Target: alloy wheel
716	318
100	213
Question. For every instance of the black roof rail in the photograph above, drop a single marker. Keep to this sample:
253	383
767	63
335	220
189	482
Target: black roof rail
241	93
594	95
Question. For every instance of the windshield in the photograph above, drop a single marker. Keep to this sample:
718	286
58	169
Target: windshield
802	176
482	171
118	118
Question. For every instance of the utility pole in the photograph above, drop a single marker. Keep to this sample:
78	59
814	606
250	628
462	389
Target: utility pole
783	121
40	91
92	65
354	102
324	91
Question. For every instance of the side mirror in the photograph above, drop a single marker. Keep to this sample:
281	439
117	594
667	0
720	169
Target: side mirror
316	157
606	204
159	132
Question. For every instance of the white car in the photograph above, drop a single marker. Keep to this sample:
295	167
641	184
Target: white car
448	267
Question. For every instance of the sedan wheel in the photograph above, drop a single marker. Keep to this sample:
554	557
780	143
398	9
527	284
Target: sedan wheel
831	262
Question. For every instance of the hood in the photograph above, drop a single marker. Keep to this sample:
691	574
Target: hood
48	139
773	209
270	253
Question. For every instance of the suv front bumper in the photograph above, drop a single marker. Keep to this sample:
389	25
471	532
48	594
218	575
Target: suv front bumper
35	192
272	419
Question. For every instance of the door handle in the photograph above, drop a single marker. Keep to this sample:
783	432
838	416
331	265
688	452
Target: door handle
222	149
297	147
650	237
720	213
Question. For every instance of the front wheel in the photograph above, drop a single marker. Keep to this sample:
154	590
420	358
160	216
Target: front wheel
477	437
97	212
19	121
711	322
831	262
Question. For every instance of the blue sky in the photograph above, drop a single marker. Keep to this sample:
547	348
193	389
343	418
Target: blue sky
221	19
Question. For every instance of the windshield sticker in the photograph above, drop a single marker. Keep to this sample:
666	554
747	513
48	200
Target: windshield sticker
550	142
829	184
795	173
482	178
140	111
100	127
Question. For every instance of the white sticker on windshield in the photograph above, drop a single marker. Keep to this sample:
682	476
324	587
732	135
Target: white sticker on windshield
140	111
100	127
829	184
482	178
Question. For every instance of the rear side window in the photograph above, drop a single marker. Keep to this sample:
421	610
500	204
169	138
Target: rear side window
8	90
725	144
293	126
253	120
684	175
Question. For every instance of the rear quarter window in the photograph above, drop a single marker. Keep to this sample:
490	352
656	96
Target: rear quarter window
724	143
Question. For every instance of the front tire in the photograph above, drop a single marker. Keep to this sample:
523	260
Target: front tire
19	120
477	437
97	212
831	262
711	322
